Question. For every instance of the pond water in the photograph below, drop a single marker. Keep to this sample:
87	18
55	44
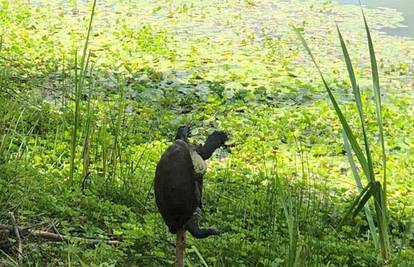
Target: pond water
406	7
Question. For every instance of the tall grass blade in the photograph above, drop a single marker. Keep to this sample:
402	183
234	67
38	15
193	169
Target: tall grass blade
357	95
377	97
380	201
352	140
363	199
296	254
79	83
380	210
373	189
75	125
87	133
203	261
85	47
358	182
354	205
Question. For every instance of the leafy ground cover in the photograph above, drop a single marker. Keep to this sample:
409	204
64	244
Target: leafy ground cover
234	65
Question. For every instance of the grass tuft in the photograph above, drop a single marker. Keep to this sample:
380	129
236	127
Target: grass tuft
374	189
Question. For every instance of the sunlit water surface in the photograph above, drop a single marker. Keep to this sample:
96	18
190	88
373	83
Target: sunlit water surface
406	7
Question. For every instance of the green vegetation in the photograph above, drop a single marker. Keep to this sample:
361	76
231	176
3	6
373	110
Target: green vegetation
374	188
89	100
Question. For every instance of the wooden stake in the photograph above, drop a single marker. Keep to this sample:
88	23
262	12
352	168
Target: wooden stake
179	261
